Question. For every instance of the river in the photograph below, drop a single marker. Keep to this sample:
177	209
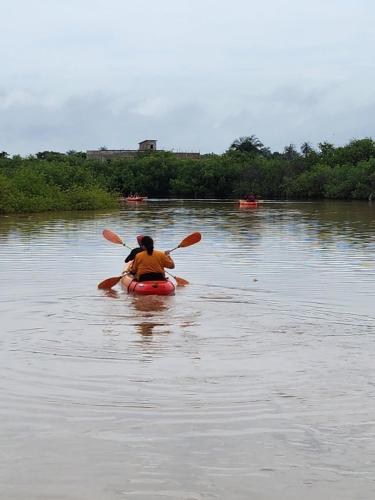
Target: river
256	381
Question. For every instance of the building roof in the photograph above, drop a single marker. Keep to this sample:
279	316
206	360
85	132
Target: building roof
147	140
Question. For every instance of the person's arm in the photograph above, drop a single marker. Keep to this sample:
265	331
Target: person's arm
134	267
168	261
132	255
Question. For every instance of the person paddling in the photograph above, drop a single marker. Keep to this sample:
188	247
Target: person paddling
149	264
136	250
250	197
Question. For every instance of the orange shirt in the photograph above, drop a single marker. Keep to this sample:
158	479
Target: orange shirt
155	263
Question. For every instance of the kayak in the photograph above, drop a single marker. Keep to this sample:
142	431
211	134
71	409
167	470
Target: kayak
136	198
162	287
246	203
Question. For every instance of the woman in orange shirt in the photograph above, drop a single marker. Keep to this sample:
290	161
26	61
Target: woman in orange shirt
149	264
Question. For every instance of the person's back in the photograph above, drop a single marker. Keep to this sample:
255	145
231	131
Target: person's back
149	264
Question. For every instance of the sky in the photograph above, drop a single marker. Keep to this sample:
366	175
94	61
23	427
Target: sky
193	74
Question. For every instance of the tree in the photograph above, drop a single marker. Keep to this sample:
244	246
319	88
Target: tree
306	149
3	154
249	144
266	152
357	150
49	155
326	147
290	152
327	153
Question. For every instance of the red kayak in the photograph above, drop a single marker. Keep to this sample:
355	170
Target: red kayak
164	287
136	198
246	203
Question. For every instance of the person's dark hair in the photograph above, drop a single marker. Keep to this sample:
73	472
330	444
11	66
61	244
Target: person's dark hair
148	243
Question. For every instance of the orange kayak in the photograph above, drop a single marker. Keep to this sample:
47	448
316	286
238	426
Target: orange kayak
136	198
246	203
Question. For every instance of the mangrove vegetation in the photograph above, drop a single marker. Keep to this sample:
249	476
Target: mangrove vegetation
69	181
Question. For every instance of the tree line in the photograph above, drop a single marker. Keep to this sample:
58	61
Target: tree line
69	181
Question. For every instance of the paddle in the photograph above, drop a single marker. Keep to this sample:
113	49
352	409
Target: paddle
179	281
109	282
113	237
186	242
189	240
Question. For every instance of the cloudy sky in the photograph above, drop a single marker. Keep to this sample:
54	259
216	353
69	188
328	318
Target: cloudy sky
193	74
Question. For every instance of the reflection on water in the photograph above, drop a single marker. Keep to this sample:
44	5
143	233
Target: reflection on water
112	293
146	329
255	381
150	303
149	322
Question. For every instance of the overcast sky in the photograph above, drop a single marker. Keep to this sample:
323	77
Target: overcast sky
193	74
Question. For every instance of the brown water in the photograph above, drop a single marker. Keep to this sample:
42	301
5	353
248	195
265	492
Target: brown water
255	382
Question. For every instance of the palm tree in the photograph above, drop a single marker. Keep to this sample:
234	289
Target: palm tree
248	144
290	152
306	148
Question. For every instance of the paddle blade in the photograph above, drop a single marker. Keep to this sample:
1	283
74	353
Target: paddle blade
112	237
190	240
181	281
109	283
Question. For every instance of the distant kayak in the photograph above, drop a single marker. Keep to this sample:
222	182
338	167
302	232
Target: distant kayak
247	203
136	198
165	287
